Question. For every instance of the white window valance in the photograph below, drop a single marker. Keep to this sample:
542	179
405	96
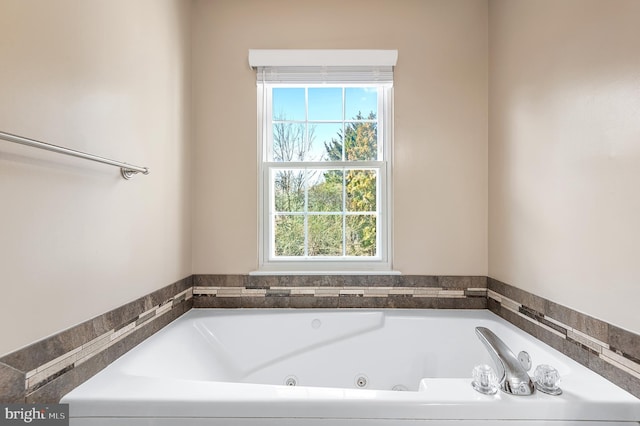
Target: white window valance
323	66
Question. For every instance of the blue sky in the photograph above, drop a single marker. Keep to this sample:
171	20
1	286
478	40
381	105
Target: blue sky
325	104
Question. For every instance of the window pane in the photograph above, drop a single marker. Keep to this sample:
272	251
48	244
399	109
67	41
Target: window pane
289	142
361	190
325	235
288	189
288	104
327	141
289	235
361	235
361	103
361	141
325	103
325	191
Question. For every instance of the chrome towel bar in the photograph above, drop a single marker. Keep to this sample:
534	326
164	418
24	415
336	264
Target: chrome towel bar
126	170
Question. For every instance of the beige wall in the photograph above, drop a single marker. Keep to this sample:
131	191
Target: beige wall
113	78
440	175
110	78
565	152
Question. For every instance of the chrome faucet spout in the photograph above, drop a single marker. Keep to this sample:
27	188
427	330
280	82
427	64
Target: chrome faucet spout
512	376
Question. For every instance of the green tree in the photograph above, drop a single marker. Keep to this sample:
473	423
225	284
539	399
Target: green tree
324	192
359	142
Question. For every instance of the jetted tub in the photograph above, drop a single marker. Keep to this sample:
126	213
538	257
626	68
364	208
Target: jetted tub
338	367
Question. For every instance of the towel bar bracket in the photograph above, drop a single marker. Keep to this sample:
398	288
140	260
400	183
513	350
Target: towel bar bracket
129	173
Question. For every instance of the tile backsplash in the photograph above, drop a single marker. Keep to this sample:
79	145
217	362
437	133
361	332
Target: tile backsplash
608	350
340	291
46	370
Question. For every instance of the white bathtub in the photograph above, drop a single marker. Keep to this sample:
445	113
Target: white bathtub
230	367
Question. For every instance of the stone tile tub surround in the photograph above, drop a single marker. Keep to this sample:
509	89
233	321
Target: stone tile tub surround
610	351
46	370
340	291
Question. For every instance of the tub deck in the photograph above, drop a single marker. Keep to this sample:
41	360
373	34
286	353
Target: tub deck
230	367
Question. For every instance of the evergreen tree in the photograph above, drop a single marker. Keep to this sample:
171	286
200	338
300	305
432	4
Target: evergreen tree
360	143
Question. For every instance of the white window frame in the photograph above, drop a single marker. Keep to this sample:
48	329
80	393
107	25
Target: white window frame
382	262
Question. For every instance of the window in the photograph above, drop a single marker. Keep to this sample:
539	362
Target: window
325	168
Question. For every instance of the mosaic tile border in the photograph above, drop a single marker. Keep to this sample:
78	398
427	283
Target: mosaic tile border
342	291
46	370
608	350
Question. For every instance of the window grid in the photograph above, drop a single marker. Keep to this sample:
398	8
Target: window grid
306	213
378	166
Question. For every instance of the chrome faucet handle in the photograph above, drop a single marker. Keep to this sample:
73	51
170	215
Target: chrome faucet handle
512	376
